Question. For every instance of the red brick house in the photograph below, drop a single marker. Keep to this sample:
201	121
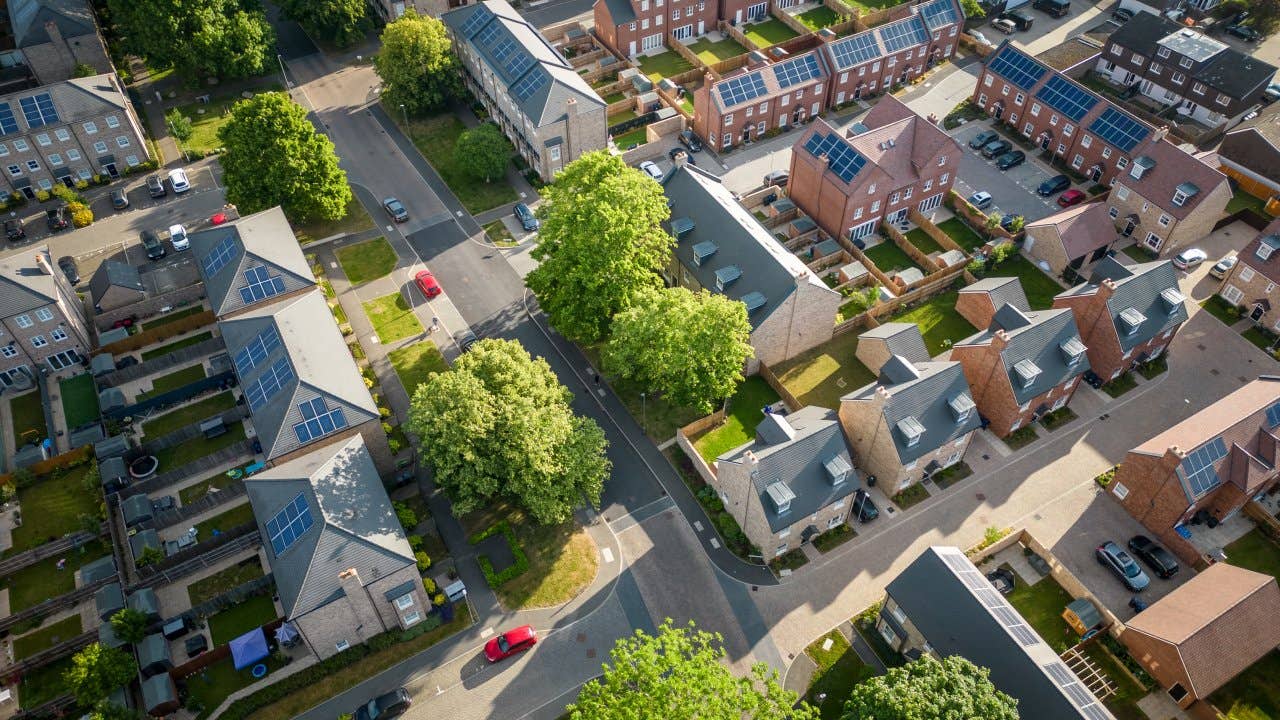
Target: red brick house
1205	468
760	97
1254	283
1023	363
632	27
848	184
1126	314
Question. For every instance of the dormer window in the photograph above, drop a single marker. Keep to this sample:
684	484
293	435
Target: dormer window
1172	299
704	250
838	469
681	226
911	430
1267	245
726	276
1184	192
1131	320
1026	371
754	301
961	407
1141	165
1072	350
781	495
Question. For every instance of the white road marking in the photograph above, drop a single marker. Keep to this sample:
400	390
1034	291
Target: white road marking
697	525
600	391
715	543
486	632
608	554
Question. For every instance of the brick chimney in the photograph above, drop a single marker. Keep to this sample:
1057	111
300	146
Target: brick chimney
66	62
1000	340
365	619
1160	133
43	261
572	128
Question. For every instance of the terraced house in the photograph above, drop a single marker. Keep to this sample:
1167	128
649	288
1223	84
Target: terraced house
41	325
1254	283
633	27
542	105
764	96
250	261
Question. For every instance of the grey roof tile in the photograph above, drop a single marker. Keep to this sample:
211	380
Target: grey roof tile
926	398
901	339
1003	290
1040	342
23	286
27	19
263	239
1140	287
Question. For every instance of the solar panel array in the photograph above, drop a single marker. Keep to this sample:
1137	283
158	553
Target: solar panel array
939	13
517	63
1273	415
740	89
260	285
855	50
38	110
903	34
842	159
1117	129
473	23
257	350
797	70
1076	691
531	83
1068	99
8	123
1197	468
262	389
318	420
1017	68
993	601
220	256
291	523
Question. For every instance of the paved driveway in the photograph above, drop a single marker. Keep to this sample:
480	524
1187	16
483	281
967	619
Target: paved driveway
1014	190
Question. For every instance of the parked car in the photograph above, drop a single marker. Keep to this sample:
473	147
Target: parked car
465	340
996	148
1053	185
1020	20
981	39
1011	160
1138	603
1055	8
1244	32
56	219
385	706
395	209
1071	197
427	283
510	642
981	199
1114	558
151	243
155	186
1007	220
651	169
1004	26
984	138
1156	557
1223	266
1124	15
119	199
13	230
526	218
777	178
124	322
126	361
218	218
67	265
679	154
178	179
691	141
864	507
1272	93
1189	259
178	236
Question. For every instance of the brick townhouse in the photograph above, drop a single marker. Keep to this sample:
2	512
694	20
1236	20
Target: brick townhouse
633	27
1173	65
1202	470
761	97
51	37
1023	363
250	261
1252	283
42	326
894	162
916	418
1070	239
1167	200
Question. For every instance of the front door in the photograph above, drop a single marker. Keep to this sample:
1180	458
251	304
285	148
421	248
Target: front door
702	29
1256	315
737	18
999	112
1128	227
632	51
31	194
111	170
840	97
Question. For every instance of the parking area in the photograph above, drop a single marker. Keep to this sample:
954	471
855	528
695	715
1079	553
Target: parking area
1014	190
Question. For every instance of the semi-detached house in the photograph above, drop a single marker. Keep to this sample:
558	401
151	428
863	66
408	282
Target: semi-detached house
874	60
763	96
1254	283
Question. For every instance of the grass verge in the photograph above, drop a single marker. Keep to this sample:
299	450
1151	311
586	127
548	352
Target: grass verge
392	317
414	364
1221	309
368	260
224	521
435	137
839	670
1021	437
949	476
1121	385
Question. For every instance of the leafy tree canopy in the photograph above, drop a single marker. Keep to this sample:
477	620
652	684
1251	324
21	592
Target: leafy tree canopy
96	671
930	690
220	38
417	65
129	625
341	22
484	152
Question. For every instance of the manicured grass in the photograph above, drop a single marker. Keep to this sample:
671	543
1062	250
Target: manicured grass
622	116
43	684
1241	200
355	221
1120	385
174	380
175	346
714	52
1258	337
1021	437
209	687
1152	369
240	619
188	414
392	317
175	457
235	517
435	137
923	242
498	234
1057	418
368	260
52	508
170	317
1221	309
790	560
1253	694
1254	551
46	637
562	561
28	419
823	374
818	18
1138	253
889	257
965	237
36	583
910	496
769	32
1039	287
414	364
834	538
1042	605
233	577
79	400
663	65
839	669
612	98
739	427
939	322
949	476
208	118
637	136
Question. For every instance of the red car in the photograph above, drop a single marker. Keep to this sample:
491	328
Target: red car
1071	197
510	642
427	283
218	219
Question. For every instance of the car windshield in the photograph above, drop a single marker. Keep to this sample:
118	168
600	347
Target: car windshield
503	645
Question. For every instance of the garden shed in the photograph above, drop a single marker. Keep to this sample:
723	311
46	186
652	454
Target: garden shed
153	655
108	601
159	696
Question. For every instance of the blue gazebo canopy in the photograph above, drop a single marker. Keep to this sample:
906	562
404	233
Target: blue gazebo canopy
249	648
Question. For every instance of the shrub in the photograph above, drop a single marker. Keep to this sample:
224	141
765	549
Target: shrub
1105	478
438	600
415	542
83	70
424	562
82	184
520	564
429	585
149	556
405	514
42	195
384	411
81	216
66	194
1003	252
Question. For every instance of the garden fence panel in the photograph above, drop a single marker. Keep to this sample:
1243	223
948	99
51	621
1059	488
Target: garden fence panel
182	356
199	557
49	655
52	605
241	451
169	518
47	550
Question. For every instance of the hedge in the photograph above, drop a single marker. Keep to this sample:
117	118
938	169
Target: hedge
517	568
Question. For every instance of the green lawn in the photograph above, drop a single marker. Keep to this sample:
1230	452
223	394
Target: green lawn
188	414
1254	551
79	400
499	235
209	687
1121	385
223	581
923	242
939	322
1040	288
823	374
612	98
415	363
170	317
562	561
36	583
965	237
235	517
663	65
192	493
1258	337
1221	309
179	455
28	419
52	508
622	116
46	637
1253	694
745	413
769	32
356	220
392	317
435	137
637	136
889	257
714	52
1042	605
839	669
1241	200
208	118
368	260
174	380
818	18
175	346
1139	253
43	684
240	619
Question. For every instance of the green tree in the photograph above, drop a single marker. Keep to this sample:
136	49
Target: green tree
274	156
679	673
341	22
417	65
927	690
972	9
150	555
483	151
498	426
84	70
600	245
688	346
220	38
129	625
179	124
110	711
96	671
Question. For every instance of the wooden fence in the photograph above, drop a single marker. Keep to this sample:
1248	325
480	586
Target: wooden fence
49	655
242	450
199	556
925	224
769	377
69	459
52	605
142	339
50	549
169	518
182	356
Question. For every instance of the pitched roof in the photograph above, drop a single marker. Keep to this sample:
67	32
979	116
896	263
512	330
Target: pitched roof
722	227
1081	229
1174	168
1002	291
1269	268
73	100
894	37
23	285
932	397
1221	621
1037	336
1216	64
235	252
113	273
901	338
27	18
958	612
794	451
1151	289
351	524
620	11
1255	144
755	84
1238	413
294	344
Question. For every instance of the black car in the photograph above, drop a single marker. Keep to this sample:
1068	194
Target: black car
996	148
864	507
392	704
675	152
68	266
526	218
395	209
1007	220
56	219
465	340
1011	159
13	230
1122	565
1244	32
119	199
151	243
1019	20
1122	14
126	361
983	138
155	186
1157	558
1053	185
691	141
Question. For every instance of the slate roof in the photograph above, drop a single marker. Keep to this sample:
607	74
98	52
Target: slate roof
1255	144
739	240
113	273
24	286
874	44
74	100
158	691
1081	229
1216	64
792	450
320	364
354	525
1269	268
1138	287
1173	167
263	239
958	612
620	11
27	18
901	338
1034	335
1002	291
154	650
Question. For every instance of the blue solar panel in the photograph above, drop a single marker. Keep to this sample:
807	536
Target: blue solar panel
488	35
1059	94
518	63
855	50
473	23
903	34
796	71
1017	68
1273	415
1197	468
842	159
741	89
260	285
257	350
219	256
8	123
938	13
289	524
262	389
318	420
1116	128
529	84
38	109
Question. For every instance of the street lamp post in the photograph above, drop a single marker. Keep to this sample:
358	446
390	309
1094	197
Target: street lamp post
644	412
405	114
